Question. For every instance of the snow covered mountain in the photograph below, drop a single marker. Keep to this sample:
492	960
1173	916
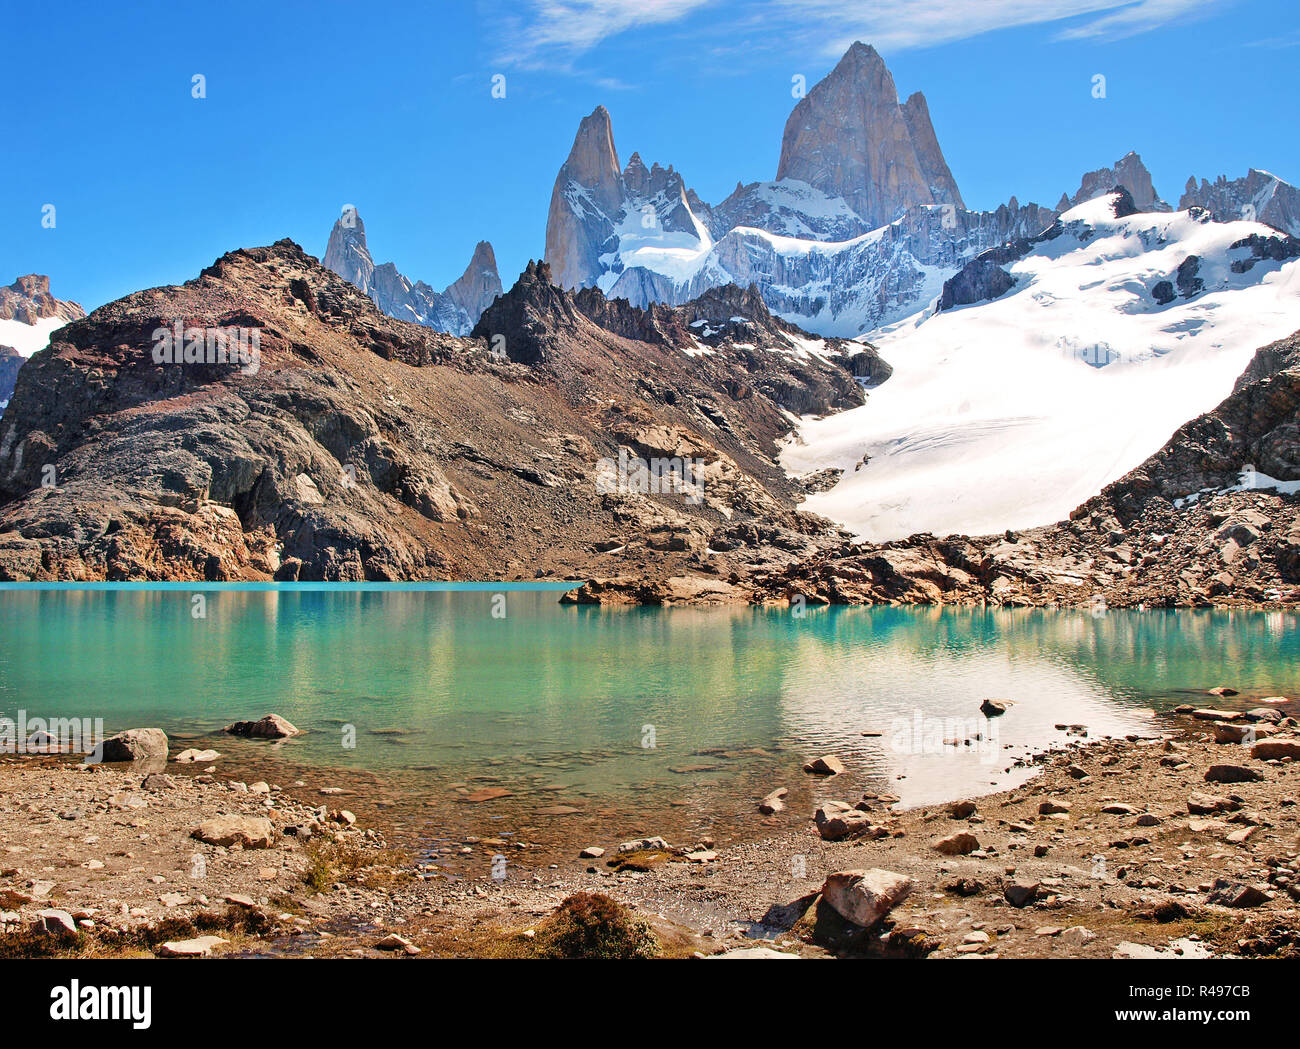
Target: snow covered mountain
29	314
860	229
456	309
1050	368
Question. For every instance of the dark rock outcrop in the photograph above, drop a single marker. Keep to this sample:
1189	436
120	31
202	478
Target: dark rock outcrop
28	301
10	361
979	280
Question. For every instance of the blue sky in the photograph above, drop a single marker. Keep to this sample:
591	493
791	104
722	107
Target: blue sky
311	106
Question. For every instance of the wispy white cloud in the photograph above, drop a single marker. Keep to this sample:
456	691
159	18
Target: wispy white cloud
553	33
1277	43
896	25
1132	19
540	33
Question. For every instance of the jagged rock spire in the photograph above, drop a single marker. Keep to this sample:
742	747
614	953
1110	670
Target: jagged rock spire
850	138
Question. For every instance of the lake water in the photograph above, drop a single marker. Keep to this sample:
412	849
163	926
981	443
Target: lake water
639	718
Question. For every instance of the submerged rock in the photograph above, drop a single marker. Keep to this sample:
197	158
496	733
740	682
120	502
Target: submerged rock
772	803
191	755
270	727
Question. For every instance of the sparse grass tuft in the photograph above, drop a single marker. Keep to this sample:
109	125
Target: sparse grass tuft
333	861
592	925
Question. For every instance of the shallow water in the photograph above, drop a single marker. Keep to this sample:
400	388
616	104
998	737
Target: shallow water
639	716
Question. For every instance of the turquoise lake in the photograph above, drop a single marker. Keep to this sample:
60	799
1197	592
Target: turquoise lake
631	714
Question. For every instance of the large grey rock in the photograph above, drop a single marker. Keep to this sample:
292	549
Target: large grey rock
137	744
55	922
865	896
980	280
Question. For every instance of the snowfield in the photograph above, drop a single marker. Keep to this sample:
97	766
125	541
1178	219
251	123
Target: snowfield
1010	413
28	338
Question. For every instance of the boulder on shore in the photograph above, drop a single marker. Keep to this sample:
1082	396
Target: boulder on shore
199	947
1231	774
55	922
863	897
1276	748
836	821
252	832
136	744
960	844
1021	894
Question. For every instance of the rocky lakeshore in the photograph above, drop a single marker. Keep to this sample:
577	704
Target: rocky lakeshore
1181	843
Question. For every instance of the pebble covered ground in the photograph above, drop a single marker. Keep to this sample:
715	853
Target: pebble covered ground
1187	842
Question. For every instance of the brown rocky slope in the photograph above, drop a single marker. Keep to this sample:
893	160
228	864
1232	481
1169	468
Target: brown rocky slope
360	447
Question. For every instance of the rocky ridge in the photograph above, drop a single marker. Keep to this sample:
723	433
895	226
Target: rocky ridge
1129	174
1258	196
861	227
